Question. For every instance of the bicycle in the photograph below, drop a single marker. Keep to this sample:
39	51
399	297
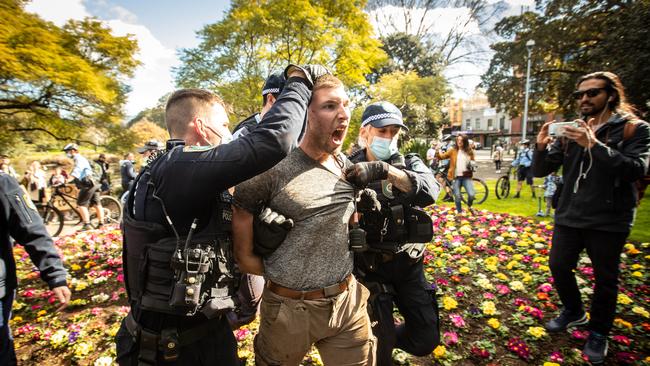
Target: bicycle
480	188
63	198
502	188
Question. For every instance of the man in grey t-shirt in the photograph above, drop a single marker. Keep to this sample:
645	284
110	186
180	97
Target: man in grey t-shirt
311	296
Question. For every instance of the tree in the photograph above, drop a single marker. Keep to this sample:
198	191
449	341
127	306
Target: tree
406	53
155	114
257	37
61	81
571	39
419	98
146	130
460	43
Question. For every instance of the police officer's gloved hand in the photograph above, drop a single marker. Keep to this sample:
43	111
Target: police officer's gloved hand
312	72
360	174
368	201
269	231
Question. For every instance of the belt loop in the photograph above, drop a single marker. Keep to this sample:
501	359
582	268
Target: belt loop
302	295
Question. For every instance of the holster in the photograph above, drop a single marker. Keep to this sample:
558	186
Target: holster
168	342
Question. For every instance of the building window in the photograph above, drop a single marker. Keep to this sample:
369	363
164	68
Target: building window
502	123
468	124
490	124
477	124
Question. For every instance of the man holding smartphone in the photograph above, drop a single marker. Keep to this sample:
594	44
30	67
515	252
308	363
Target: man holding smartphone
597	204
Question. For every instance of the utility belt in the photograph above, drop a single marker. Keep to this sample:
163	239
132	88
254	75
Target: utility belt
169	341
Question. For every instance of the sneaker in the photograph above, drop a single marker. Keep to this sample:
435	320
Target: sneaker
596	348
566	320
516	195
534	195
100	225
86	227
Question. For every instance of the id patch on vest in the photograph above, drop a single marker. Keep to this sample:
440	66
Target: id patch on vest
195	148
387	189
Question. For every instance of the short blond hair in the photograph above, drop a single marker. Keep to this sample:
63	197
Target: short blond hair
327	81
185	104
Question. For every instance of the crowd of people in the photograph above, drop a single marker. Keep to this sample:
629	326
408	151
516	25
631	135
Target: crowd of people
325	245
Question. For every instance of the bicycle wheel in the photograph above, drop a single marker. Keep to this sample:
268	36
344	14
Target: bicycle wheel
52	218
112	209
481	190
502	188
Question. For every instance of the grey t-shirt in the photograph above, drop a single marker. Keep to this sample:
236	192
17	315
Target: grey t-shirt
315	253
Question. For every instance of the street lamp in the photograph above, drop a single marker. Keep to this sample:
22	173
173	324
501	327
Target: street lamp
529	46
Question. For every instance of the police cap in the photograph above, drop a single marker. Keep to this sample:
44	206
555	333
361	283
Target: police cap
273	84
382	114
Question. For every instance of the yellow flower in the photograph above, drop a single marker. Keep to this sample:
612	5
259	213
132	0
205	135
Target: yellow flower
641	311
501	276
485	283
464	270
440	351
75	267
449	303
537	332
488	308
637	274
517	285
494	323
527	278
82	349
491	261
637	266
17	319
551	364
512	264
622	323
624	299
491	268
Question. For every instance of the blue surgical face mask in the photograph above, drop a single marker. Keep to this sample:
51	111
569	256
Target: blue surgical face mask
383	148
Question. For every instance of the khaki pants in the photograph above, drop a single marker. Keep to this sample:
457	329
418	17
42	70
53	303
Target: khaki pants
339	327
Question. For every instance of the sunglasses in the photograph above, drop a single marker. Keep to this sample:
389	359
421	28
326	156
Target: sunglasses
578	94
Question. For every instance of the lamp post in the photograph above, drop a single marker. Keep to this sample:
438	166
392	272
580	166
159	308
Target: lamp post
529	46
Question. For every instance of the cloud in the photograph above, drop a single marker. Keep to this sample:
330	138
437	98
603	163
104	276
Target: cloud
59	11
153	78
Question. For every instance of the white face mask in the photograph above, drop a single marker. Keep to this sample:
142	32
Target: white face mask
223	133
69	154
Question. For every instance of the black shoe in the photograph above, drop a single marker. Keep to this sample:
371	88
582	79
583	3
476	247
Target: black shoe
596	348
565	320
100	225
534	195
516	195
86	227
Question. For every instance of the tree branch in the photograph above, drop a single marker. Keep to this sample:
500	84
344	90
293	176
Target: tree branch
60	138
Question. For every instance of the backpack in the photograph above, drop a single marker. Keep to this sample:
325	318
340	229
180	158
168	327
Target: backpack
643	182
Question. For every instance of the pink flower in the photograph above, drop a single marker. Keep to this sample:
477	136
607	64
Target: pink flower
556	357
626	357
96	311
545	287
457	320
450	338
502	289
622	339
488	295
580	334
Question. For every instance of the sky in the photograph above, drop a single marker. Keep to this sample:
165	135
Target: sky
162	27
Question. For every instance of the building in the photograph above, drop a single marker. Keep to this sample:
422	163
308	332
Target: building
482	122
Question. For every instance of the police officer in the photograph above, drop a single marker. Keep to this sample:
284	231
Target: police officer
270	92
390	268
178	266
20	220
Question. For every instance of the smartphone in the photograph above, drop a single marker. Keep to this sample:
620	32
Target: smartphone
557	129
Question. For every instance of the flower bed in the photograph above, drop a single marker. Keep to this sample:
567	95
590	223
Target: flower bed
490	270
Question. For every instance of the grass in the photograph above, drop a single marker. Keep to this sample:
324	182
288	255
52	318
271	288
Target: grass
527	206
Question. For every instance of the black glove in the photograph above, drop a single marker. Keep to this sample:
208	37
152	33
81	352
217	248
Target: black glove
360	174
368	201
269	231
312	72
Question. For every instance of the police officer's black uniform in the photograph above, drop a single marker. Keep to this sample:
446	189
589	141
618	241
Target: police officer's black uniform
20	220
397	276
186	183
392	269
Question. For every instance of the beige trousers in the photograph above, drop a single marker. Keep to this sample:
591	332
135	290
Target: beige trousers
338	326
